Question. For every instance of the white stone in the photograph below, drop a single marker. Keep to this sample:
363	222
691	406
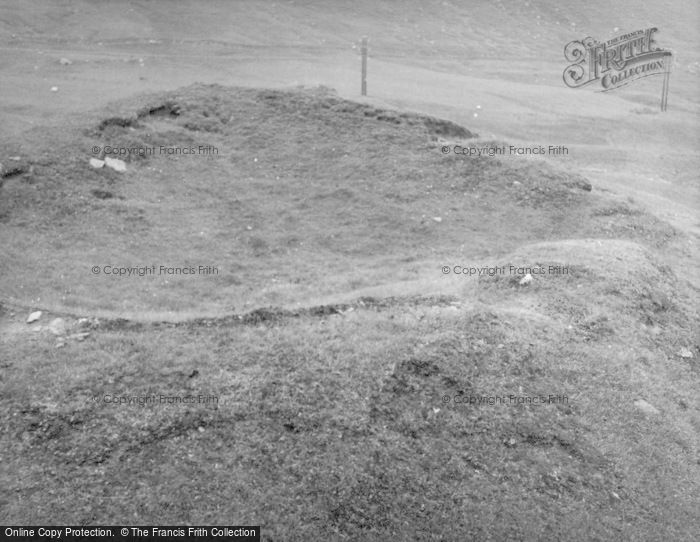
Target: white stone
65	62
685	353
54	89
115	164
57	326
437	219
33	317
645	407
527	279
94	162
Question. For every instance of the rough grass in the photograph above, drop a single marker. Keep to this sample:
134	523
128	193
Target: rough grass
309	195
329	421
330	424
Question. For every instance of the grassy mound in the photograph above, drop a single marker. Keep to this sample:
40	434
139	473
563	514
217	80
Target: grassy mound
307	195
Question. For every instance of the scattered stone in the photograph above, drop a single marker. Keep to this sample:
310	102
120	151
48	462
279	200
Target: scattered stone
87	323
60	343
57	326
33	317
437	219
115	164
645	407
54	89
685	353
527	279
248	228
517	183
65	62
96	163
200	429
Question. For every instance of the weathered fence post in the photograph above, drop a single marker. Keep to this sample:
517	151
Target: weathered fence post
667	75
364	65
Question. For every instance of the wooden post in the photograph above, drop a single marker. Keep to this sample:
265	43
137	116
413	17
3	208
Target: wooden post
667	74
364	65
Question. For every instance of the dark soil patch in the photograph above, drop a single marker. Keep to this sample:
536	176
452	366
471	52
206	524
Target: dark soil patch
102	194
120	122
167	109
15	170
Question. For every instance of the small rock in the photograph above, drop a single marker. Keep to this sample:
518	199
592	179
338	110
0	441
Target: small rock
115	164
517	183
248	228
527	279
96	163
87	323
60	344
685	353
15	158
437	219
57	326
65	62
200	429
54	89
645	407
33	317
